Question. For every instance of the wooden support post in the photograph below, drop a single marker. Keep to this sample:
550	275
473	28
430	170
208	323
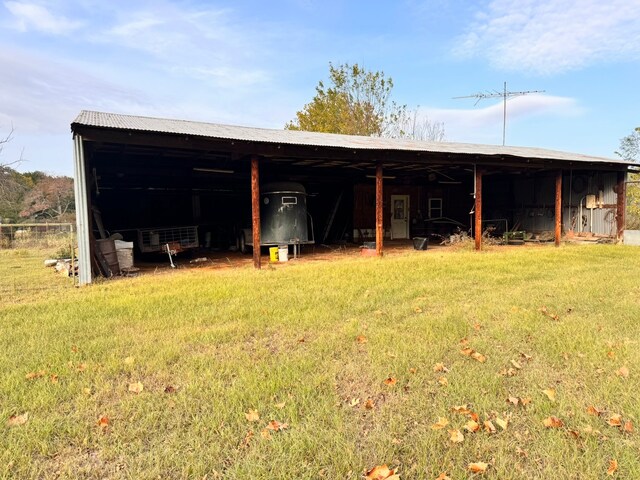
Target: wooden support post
379	210
558	232
255	210
478	209
621	190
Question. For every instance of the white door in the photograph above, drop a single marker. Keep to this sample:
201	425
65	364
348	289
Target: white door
399	216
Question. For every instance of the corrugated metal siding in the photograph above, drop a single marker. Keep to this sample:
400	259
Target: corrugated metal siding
212	130
535	202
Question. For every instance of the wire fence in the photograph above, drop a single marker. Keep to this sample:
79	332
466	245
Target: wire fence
36	258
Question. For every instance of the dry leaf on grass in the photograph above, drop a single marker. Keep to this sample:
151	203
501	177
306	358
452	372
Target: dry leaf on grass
381	472
623	372
478	467
17	420
456	436
170	389
390	381
280	405
470	352
461	409
361	339
247	438
515	401
354	401
32	375
489	427
516	365
136	387
443	476
595	411
502	423
417	310
615	420
611	354
412	370
550	393
252	416
443	381
440	424
628	427
613	466
439	367
472	426
103	422
553	422
369	405
276	426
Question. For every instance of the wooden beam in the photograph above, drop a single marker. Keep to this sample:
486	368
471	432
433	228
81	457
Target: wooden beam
255	210
621	190
379	210
478	209
558	216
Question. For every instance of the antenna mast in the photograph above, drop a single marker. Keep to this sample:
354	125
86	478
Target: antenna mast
505	95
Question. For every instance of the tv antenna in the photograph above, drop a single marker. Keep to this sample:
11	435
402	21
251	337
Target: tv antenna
505	96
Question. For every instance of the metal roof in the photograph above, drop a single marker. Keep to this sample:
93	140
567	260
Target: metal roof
293	137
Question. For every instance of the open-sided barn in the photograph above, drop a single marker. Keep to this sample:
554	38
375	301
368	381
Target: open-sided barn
200	182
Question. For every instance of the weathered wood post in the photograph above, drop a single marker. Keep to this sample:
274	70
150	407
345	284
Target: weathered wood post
621	190
558	232
255	210
379	210
478	209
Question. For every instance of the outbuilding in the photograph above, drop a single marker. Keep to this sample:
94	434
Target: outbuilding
161	181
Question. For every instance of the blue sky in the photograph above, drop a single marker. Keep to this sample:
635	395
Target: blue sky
256	63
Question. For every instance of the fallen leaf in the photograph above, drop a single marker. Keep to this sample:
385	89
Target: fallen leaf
86	391
252	416
474	416
513	400
103	422
502	423
412	370
628	427
417	310
516	365
595	411
477	326
521	452
390	381
443	381
525	356
456	436
280	405
32	375
54	378
478	467
467	351
489	427
247	438
623	372
136	387
464	341
550	393
461	409
611	354
169	389
443	476
613	466
574	433
354	402
439	367
301	340
472	426
369	405
265	433
479	357
396	441
74	348
381	472
552	422
615	420
440	424
361	339
277	426
81	367
525	401
17	420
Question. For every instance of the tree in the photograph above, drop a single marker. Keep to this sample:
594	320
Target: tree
414	126
12	186
356	102
50	198
630	146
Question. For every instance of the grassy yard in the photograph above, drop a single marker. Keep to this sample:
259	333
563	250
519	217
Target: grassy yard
179	376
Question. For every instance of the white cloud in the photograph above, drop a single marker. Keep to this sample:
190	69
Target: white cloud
483	124
30	16
552	36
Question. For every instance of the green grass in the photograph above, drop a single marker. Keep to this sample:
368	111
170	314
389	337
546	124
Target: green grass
231	340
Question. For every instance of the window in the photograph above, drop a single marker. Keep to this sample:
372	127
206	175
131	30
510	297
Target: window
435	207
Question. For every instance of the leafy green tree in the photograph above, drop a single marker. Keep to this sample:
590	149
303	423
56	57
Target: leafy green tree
630	151
355	102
